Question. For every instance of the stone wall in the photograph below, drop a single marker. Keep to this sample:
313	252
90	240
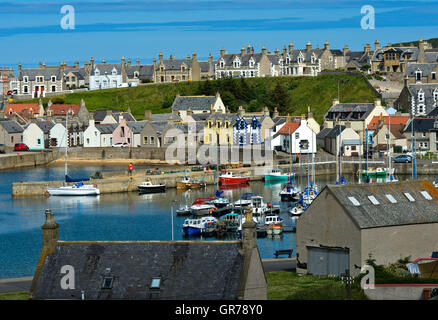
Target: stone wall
398	291
25	159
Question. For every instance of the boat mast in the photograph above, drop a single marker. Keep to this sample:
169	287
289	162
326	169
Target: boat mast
66	144
389	145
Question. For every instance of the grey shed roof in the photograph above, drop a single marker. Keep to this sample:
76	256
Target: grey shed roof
194	103
44	125
209	270
10	126
385	213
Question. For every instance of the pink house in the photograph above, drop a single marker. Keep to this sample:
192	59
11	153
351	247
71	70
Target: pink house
123	134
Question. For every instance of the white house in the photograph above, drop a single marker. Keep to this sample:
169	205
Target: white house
36	135
58	135
106	76
275	136
294	134
100	135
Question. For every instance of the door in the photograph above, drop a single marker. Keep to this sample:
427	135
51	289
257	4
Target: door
325	261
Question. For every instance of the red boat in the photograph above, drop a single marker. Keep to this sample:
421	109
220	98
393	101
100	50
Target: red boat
227	177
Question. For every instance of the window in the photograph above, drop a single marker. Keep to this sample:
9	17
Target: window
38	141
152	140
53	78
222	64
421	96
354	201
373	200
135	74
26	89
433	76
53	88
73	79
391	198
107	283
418	75
410	198
145	140
26	79
426	195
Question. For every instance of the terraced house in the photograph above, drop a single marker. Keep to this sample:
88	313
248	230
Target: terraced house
310	61
175	70
36	82
418	99
197	105
219	129
247	64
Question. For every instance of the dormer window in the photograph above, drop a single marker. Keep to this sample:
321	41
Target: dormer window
183	69
96	72
435	95
418	74
222	63
53	78
236	64
251	63
26	79
114	72
39	79
420	96
162	69
433	75
107	283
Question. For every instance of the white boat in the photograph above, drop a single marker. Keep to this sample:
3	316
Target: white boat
273	220
290	193
78	189
199	226
297	211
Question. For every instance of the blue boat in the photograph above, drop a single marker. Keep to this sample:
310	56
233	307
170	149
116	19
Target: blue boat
199	226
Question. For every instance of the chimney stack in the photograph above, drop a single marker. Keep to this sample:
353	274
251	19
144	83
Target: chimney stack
308	46
147	115
326	45
275	114
242	51
241	111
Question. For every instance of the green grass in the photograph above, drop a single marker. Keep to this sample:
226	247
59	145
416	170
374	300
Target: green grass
291	286
254	94
14	296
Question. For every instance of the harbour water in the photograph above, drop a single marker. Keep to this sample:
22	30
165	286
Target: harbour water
123	216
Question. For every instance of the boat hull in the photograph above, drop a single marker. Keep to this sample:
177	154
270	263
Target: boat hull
233	180
154	189
190	231
69	191
196	185
269	178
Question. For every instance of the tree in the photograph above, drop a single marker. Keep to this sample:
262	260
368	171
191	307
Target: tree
278	98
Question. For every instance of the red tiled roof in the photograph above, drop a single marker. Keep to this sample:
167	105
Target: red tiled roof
62	109
289	128
25	110
394	120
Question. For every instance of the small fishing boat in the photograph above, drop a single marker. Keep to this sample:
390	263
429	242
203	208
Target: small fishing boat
221	202
308	196
197	226
202	206
377	172
184	210
245	200
297	211
149	187
277	175
274	229
78	189
228	177
187	183
290	193
273	220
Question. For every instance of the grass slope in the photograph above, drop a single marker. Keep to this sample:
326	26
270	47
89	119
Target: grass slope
14	296
433	42
290	286
253	94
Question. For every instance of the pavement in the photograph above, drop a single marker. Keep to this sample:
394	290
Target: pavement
23	284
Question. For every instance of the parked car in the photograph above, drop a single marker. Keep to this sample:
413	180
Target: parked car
404	158
21	147
2	151
121	145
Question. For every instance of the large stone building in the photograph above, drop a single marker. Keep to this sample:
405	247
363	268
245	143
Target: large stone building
418	99
247	64
197	104
346	224
145	270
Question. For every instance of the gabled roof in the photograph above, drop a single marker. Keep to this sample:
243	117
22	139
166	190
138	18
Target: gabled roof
350	111
107	68
44	125
174	64
334	132
194	103
425	68
99	115
62	109
11	126
420	125
144	71
46	72
386	120
323	133
106	128
289	128
403	212
165	116
209	270
136	126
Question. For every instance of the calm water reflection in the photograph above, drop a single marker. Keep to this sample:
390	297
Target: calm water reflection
124	216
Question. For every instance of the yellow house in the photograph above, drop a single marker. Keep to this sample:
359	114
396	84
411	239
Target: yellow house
219	129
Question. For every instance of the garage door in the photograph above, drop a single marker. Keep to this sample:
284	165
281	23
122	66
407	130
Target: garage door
325	261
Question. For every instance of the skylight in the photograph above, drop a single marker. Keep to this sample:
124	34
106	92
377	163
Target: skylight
354	201
373	200
410	198
155	283
391	198
426	195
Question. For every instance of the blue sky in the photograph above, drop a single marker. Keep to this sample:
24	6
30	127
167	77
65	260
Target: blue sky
30	30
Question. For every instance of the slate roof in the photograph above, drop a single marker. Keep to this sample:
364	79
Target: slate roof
431	55
106	128
174	64
194	103
200	116
404	212
279	120
99	115
47	73
144	71
206	66
323	133
334	132
209	270
108	68
136	126
11	126
126	115
420	125
229	58
349	111
411	52
159	125
222	117
44	125
425	68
